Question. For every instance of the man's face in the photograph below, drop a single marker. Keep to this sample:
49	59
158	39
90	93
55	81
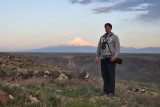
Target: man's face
108	29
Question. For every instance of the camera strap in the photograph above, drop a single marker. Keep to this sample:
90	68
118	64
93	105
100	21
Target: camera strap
109	47
108	44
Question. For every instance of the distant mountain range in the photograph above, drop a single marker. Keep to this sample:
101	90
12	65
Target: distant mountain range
78	45
141	50
68	49
91	49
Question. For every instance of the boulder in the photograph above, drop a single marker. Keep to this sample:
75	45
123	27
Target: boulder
62	78
83	75
14	85
4	97
71	75
87	76
11	97
46	72
33	99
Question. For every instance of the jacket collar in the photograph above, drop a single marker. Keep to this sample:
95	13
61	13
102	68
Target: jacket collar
105	35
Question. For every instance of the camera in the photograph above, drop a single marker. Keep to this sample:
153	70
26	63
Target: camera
103	45
117	60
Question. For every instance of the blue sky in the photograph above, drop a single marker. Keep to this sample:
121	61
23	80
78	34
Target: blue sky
30	24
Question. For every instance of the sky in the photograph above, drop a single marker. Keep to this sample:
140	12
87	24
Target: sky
31	24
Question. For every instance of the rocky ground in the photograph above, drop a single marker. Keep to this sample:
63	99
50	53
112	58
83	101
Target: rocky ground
28	83
17	69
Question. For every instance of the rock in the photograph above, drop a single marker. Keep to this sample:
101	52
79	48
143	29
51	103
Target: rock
87	76
11	97
137	90
55	74
71	75
5	84
83	75
46	72
62	78
59	91
14	85
37	96
40	74
35	72
11	57
143	91
22	88
4	97
94	99
33	99
46	76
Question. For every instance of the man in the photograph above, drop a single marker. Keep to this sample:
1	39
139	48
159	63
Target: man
108	49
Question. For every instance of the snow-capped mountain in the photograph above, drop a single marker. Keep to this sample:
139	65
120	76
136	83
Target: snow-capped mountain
78	42
77	45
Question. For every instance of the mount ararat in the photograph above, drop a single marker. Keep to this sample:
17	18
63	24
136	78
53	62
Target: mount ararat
78	45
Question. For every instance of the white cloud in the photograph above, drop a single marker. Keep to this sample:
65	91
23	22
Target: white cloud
65	35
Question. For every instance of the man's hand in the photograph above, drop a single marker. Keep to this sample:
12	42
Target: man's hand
96	61
112	59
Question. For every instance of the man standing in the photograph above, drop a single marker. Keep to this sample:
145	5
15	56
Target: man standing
108	49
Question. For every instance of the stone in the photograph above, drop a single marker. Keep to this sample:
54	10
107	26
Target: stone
59	91
33	99
62	78
87	76
14	85
46	72
94	99
35	72
4	97
83	75
11	97
37	96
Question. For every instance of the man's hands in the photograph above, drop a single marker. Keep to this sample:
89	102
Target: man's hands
96	61
112	59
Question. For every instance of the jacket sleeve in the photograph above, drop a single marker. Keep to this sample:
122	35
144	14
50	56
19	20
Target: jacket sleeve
98	50
117	47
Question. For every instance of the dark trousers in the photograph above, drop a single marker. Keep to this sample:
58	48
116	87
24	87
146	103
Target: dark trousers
108	75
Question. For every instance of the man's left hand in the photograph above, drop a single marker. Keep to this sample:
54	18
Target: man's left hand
112	59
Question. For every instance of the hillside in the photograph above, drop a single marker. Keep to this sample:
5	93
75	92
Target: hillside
135	67
29	83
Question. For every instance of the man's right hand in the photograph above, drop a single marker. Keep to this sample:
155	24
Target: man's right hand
96	61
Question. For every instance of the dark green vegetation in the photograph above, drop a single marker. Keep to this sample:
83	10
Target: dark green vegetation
135	67
71	94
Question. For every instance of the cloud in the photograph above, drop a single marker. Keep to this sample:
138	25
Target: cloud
84	2
150	8
126	19
65	35
102	10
